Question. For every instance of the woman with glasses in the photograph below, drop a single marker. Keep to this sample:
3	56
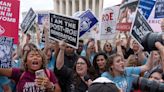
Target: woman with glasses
73	80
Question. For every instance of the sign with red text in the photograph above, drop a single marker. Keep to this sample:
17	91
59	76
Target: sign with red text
9	18
108	22
126	15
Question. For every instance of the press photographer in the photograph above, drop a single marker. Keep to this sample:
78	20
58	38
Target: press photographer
152	84
150	38
144	34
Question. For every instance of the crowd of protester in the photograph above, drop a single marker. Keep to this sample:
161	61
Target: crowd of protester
120	65
76	70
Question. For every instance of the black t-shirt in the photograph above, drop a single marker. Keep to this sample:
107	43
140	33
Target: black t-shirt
66	80
69	61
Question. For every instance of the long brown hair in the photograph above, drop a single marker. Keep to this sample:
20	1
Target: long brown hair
90	71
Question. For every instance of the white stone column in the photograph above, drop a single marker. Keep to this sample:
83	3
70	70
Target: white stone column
73	7
86	4
93	5
100	8
61	11
67	7
80	5
56	6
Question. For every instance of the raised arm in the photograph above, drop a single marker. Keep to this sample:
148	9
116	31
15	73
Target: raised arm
6	72
160	47
45	30
60	57
149	63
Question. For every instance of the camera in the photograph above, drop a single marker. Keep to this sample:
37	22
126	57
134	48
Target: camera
146	85
150	38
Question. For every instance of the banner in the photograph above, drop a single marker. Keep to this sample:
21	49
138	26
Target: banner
140	29
6	44
126	15
87	21
62	27
108	22
145	7
28	20
9	18
159	9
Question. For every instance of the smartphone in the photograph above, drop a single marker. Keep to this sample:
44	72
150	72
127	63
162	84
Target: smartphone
40	73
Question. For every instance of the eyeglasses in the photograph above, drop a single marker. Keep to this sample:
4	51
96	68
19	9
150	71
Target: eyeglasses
81	63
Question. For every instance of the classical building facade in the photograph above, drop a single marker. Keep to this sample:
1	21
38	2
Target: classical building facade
70	7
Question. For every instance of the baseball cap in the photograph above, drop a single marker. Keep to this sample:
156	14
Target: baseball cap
103	84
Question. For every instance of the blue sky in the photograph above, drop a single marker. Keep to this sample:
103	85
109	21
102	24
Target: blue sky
48	5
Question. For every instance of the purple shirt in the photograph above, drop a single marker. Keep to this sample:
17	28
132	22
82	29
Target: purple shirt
26	83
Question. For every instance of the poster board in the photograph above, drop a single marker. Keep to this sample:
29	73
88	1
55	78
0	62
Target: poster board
9	18
63	27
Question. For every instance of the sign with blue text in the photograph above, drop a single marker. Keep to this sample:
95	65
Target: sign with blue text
63	27
87	21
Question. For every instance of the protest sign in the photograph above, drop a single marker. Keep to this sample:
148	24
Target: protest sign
87	21
159	9
62	27
28	20
145	7
108	22
140	29
43	20
6	44
126	15
9	18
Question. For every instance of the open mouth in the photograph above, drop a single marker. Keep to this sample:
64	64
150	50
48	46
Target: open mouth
35	63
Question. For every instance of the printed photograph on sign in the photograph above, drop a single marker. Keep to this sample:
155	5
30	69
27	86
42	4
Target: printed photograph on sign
87	21
126	15
63	27
6	44
43	20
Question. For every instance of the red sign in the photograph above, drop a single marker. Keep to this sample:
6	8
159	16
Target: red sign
123	26
9	18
